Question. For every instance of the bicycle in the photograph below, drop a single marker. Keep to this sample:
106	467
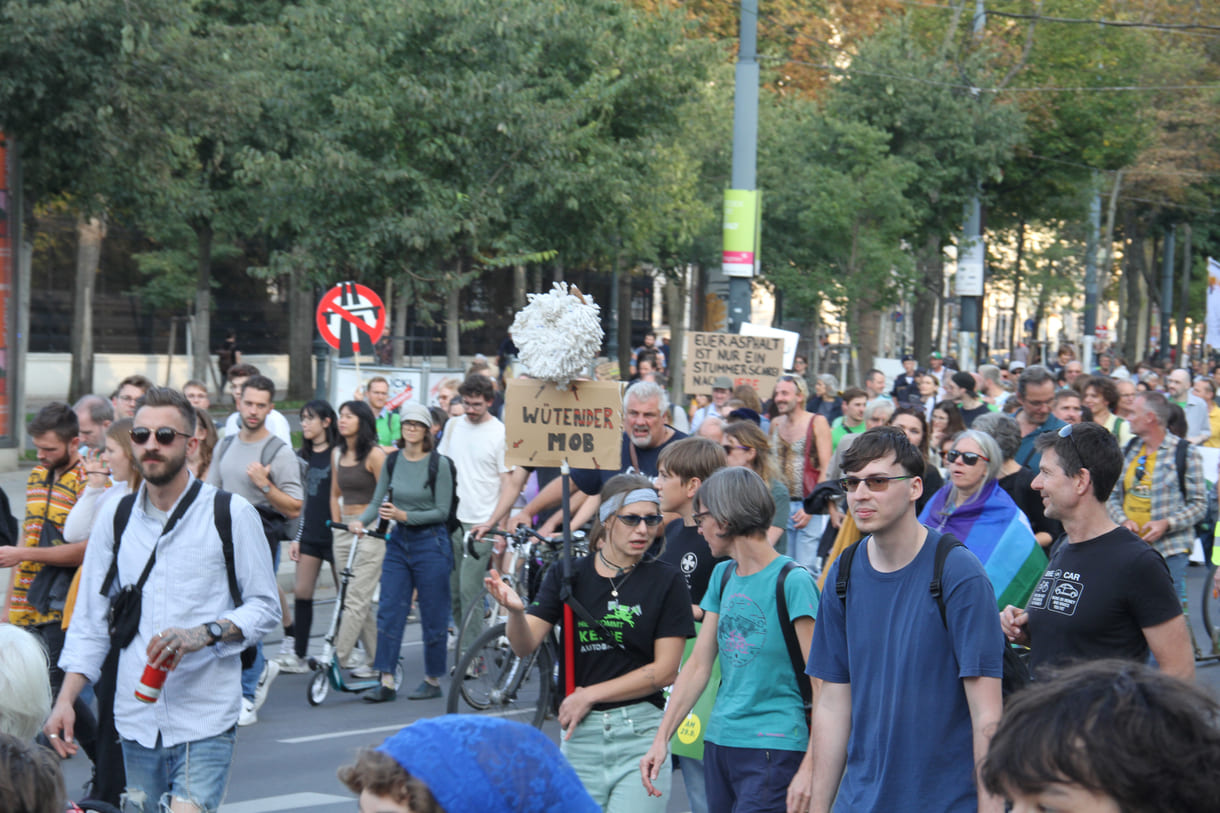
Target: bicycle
490	678
484	606
1210	604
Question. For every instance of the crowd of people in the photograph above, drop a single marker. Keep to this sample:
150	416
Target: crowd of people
737	519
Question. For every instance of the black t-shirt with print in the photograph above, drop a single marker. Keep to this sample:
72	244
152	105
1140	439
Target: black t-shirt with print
652	603
687	550
1096	598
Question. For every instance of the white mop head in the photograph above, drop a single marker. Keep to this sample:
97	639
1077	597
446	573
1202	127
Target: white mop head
558	334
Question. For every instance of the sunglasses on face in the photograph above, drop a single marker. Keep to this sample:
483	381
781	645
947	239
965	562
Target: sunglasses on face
165	435
850	484
632	520
969	458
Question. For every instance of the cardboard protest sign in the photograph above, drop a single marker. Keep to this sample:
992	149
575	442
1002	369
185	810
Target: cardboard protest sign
754	360
546	425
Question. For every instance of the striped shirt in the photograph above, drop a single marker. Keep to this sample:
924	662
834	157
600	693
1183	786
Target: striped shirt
45	501
186	587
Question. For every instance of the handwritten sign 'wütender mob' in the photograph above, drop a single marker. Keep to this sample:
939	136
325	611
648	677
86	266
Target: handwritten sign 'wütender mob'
545	425
754	360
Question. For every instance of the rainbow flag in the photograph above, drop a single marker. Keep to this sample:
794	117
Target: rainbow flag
994	529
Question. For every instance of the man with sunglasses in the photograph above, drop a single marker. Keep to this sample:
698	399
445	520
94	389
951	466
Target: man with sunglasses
1106	593
179	747
1152	498
908	698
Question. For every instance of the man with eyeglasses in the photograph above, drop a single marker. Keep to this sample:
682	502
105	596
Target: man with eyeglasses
1036	394
127	393
1155	499
1106	593
261	468
177	748
908	697
476	443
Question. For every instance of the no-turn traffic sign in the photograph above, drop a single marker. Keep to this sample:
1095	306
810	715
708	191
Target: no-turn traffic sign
348	315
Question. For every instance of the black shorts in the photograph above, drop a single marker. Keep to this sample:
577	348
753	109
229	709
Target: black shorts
319	550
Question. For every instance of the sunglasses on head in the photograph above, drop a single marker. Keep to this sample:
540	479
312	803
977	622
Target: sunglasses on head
164	434
632	520
1065	431
969	458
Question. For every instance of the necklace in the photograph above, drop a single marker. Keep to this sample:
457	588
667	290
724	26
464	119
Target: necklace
614	587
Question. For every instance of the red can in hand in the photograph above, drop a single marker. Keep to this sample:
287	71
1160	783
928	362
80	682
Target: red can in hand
150	683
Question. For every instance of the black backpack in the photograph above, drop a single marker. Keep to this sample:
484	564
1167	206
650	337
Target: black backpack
434	462
1016	669
275	524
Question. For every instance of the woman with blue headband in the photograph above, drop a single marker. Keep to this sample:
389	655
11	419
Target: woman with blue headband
640	609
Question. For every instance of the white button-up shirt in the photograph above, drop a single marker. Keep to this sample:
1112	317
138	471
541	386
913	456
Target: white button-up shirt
187	587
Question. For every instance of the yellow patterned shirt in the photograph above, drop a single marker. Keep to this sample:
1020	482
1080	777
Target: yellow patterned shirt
44	502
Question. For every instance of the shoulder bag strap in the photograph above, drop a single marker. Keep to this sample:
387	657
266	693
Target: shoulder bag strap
179	511
222	515
121	515
944	544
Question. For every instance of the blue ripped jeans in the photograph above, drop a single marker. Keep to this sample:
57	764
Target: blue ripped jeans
197	772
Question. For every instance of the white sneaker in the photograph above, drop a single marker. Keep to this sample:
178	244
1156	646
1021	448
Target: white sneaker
288	646
248	715
290	664
271	671
365	672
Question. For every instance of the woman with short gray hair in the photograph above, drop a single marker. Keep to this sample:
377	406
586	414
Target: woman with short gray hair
825	400
760	695
974	508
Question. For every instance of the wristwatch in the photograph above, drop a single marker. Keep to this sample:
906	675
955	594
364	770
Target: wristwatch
267	488
215	632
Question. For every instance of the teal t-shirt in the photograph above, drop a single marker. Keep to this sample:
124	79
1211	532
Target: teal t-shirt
759	703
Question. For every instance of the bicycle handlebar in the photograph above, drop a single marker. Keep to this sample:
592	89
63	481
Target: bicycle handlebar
342	526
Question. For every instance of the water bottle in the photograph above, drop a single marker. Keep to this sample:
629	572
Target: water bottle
383	527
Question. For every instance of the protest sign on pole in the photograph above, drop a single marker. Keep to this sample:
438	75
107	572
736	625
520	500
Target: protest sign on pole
545	425
1213	302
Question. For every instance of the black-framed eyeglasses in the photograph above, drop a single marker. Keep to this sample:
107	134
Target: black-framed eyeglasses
1065	431
164	434
632	520
728	448
878	483
969	458
699	516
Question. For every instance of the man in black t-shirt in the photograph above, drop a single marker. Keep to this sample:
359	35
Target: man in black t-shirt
1106	593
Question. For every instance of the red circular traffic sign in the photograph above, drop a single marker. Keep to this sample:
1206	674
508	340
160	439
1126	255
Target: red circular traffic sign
349	315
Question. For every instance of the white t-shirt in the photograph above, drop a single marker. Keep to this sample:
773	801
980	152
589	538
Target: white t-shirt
277	425
477	451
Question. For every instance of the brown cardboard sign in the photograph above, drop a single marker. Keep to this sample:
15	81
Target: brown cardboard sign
546	425
754	360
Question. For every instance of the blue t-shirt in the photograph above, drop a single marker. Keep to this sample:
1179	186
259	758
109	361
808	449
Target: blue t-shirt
759	704
911	737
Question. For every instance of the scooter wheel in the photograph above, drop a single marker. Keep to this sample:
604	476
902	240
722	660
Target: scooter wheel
399	676
319	687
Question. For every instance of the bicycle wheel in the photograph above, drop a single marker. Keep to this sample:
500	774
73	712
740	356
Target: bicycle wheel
1211	610
491	679
484	610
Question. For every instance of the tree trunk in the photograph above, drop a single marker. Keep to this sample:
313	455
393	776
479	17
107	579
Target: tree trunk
866	336
301	385
623	280
201	332
399	331
1184	294
89	234
1018	273
388	303
169	349
930	263
1132	273
675	301
519	286
453	350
